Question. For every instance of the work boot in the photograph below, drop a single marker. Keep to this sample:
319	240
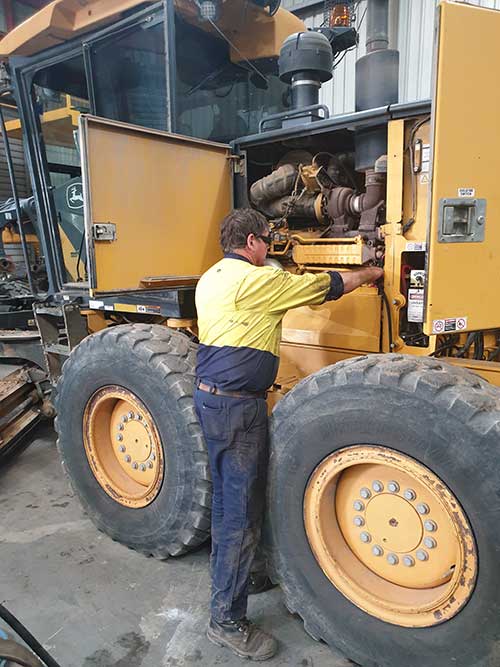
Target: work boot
243	638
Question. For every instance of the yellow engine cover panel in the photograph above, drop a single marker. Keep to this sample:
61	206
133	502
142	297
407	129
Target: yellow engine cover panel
166	196
352	323
463	276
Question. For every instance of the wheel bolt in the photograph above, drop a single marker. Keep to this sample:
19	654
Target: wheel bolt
130	415
120	426
422	508
143	467
377	551
119	437
365	493
365	537
128	459
408	561
124	418
359	521
134	465
410	494
153	456
151	465
430	542
430	526
422	555
393	487
392	559
358	506
377	486
122	448
138	416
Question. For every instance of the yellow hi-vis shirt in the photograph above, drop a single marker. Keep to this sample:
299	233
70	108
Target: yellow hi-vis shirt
240	308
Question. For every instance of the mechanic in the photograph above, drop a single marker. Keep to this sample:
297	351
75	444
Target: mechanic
241	303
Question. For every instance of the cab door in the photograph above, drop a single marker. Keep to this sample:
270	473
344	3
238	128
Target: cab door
153	204
464	231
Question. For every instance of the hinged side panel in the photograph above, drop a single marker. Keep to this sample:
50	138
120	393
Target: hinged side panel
464	231
153	203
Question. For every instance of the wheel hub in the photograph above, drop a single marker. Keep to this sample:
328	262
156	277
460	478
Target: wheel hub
123	446
398	544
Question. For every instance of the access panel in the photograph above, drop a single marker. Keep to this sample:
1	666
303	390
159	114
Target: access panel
153	204
464	230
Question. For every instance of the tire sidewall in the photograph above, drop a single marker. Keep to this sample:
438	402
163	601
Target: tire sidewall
377	415
110	367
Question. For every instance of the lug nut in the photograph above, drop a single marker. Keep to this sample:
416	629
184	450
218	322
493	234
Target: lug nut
377	486
410	494
422	555
135	465
138	416
392	559
422	508
122	448
151	465
365	537
143	467
359	521
128	459
124	418
365	493
130	415
358	506
430	526
408	561
393	487
377	551
119	437
120	426
430	542
153	456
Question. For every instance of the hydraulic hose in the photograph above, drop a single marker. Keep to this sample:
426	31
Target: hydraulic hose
27	637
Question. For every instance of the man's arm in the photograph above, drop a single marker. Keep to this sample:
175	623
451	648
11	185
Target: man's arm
353	279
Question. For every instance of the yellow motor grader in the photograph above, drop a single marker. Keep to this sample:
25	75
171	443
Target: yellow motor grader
144	123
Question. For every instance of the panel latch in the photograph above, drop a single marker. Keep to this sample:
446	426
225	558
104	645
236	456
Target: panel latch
462	220
104	231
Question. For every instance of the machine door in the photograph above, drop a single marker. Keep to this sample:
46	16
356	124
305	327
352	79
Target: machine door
153	204
464	231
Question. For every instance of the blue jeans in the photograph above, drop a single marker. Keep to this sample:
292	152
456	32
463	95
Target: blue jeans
235	431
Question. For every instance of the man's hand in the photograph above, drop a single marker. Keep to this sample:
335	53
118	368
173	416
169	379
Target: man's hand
353	279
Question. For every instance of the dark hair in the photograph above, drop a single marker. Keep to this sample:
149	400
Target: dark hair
236	227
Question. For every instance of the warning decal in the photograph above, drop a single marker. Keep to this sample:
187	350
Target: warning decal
449	325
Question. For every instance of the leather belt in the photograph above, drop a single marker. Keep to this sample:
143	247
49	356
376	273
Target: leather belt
232	394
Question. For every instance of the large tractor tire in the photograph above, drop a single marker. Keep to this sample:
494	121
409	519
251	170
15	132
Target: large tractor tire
384	508
130	441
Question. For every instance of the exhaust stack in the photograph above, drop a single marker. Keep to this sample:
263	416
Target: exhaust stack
377	82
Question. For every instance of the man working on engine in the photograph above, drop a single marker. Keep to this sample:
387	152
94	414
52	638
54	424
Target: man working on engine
241	303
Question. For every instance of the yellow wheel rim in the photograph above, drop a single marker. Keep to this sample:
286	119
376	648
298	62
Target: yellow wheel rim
390	536
123	447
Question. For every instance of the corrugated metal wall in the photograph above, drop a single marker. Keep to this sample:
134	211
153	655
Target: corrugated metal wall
412	34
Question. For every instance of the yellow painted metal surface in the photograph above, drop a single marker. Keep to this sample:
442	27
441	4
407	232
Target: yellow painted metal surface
165	193
123	447
61	20
412	559
463	277
318	251
241	21
407	199
352	322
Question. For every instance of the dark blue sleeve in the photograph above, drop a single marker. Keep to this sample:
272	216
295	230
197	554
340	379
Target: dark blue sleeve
336	286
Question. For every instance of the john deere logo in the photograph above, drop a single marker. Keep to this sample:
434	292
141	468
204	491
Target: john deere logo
74	196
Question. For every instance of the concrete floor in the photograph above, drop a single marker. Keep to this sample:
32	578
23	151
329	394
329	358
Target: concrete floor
93	603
